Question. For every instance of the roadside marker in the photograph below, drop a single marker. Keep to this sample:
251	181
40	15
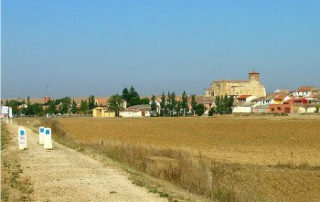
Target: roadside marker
22	138
41	135
47	139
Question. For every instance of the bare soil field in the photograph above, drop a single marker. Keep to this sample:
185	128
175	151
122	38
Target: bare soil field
252	141
223	159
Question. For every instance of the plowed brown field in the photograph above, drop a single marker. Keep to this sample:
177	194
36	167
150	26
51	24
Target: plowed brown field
224	159
253	141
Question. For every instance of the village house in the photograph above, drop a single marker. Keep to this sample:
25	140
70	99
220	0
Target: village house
280	108
136	111
305	91
246	107
158	103
245	98
304	108
272	98
102	112
101	101
279	99
261	109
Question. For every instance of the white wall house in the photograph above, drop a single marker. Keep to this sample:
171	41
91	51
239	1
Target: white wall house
158	106
136	111
243	108
304	91
304	109
262	101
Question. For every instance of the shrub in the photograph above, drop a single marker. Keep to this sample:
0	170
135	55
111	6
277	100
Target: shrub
212	111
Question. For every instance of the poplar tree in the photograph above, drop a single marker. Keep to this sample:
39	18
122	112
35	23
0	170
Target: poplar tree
163	105
184	103
193	104
153	104
91	102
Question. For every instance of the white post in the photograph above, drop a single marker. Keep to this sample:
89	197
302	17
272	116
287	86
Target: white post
41	135
47	139
22	138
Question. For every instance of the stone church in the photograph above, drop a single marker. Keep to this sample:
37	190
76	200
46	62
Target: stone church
238	87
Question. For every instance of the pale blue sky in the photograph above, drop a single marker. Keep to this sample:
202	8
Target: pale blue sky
83	47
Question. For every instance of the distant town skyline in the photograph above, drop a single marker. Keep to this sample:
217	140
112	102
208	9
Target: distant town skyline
78	48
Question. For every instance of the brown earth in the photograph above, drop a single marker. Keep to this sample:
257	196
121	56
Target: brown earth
228	159
261	141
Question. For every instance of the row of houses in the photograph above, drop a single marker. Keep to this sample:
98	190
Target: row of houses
143	110
305	99
133	111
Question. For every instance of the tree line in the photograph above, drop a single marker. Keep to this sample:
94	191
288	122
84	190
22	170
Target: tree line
63	105
167	106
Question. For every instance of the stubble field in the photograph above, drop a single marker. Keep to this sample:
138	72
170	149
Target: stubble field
225	159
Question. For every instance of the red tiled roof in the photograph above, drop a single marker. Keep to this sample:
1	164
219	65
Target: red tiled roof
243	97
233	81
136	108
101	101
307	88
280	97
258	99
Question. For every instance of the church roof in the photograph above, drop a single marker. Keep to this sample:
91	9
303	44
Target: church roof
232	81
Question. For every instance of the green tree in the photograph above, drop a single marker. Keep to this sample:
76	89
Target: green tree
74	107
14	104
178	108
200	109
51	108
173	103
153	104
65	104
28	101
134	101
133	92
125	94
224	104
144	101
168	107
184	103
193	104
230	104
212	111
84	107
163	105
131	96
35	109
91	103
218	105
115	104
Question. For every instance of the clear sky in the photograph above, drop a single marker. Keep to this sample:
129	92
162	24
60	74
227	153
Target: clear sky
83	47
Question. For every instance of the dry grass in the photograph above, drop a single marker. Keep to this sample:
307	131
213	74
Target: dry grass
225	159
15	186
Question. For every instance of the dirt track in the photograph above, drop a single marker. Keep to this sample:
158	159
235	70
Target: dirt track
63	174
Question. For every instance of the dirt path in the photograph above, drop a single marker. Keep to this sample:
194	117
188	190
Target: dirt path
63	174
